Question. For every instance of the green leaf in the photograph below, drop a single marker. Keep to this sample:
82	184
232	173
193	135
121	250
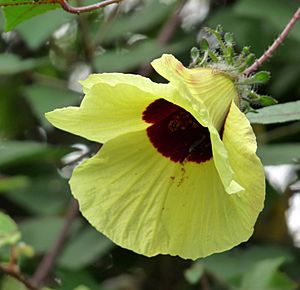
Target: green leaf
56	195
41	232
228	37
10	283
258	78
13	152
150	15
83	250
82	287
194	273
283	153
10	126
127	59
279	15
249	59
38	30
12	64
266	101
141	53
47	98
72	279
9	233
261	77
265	274
195	54
276	114
204	45
17	14
1	20
230	266
12	183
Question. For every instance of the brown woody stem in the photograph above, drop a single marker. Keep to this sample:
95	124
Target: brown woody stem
77	10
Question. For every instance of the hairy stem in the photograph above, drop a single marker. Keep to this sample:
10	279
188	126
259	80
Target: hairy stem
275	44
77	10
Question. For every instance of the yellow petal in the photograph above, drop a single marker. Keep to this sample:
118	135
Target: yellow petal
222	164
240	142
107	111
207	89
112	79
151	205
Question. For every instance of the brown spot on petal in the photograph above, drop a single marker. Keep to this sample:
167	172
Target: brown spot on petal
183	176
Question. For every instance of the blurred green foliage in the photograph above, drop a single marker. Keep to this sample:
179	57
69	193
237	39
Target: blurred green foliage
41	61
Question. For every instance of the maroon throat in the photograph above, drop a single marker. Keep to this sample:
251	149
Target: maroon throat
176	134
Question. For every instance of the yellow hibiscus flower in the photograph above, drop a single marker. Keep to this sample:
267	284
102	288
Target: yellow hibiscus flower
178	173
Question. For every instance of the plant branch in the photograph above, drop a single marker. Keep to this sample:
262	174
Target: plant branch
275	44
15	273
165	36
49	259
77	10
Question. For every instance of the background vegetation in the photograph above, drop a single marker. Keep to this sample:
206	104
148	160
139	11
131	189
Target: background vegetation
41	61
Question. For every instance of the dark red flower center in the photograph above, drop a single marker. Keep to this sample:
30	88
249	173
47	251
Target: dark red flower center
176	134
